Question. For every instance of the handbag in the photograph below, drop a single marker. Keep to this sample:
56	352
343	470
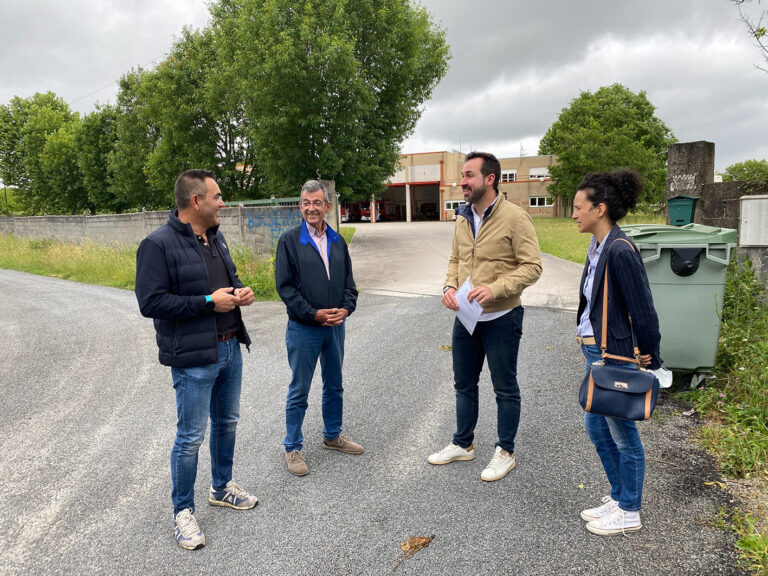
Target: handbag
626	390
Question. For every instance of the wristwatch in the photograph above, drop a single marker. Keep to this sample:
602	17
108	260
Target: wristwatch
209	303
445	288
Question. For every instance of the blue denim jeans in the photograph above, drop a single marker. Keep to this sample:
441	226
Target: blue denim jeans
211	390
620	449
305	345
499	340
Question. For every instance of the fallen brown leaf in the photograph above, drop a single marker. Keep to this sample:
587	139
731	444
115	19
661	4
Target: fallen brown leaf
413	545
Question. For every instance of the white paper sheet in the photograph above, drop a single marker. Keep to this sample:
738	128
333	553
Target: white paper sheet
468	312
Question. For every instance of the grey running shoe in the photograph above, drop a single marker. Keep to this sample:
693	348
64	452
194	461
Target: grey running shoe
233	496
188	533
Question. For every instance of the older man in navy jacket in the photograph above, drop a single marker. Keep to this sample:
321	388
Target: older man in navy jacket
313	274
186	281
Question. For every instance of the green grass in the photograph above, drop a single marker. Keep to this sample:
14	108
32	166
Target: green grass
752	545
113	265
347	232
561	238
89	263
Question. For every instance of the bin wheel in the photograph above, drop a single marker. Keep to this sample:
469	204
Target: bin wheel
697	378
692	379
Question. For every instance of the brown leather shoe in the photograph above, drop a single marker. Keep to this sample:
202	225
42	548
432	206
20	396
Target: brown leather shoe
343	444
296	464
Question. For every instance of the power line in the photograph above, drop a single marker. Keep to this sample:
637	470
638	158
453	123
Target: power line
153	61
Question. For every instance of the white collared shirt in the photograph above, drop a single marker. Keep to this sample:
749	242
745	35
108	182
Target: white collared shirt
594	252
478	218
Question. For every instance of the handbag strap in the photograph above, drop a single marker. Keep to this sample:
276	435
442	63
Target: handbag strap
604	327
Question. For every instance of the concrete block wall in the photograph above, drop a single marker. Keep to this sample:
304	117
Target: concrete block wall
116	228
258	228
720	204
62	228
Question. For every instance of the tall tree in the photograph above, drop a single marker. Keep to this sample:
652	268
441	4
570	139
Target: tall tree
194	101
137	136
60	176
95	140
747	171
25	126
13	116
612	128
332	87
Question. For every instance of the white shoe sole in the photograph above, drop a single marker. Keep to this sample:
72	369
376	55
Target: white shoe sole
612	531
189	546
456	459
228	505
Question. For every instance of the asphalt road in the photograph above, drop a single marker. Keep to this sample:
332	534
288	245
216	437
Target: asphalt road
401	259
88	416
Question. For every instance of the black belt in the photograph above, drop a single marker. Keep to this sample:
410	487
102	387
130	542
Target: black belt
226	337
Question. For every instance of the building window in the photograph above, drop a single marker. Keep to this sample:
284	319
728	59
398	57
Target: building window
538	173
509	175
540	201
454	205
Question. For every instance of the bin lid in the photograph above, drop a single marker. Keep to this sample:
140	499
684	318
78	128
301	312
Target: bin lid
688	234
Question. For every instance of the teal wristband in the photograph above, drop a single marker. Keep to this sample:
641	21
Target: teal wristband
208	298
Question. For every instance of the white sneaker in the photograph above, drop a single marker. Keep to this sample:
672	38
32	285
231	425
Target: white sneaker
499	466
618	522
451	453
188	533
609	505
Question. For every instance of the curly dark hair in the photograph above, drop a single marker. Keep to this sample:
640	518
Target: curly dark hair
618	190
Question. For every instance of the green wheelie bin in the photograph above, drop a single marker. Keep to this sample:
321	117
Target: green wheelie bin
686	267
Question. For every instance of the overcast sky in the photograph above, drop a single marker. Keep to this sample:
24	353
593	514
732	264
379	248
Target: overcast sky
515	64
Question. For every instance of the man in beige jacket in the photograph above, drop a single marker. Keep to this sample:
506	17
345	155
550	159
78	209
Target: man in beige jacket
495	245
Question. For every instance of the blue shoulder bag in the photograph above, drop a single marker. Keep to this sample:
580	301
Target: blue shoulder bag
625	390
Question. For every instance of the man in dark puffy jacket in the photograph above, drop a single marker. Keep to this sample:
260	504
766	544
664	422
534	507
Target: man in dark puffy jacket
186	281
313	275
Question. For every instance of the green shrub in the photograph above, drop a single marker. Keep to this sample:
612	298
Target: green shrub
737	400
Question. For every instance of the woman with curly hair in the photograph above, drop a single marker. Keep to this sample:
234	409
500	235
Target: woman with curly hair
602	199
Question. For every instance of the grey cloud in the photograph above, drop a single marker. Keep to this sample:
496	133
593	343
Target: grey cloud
574	46
77	47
